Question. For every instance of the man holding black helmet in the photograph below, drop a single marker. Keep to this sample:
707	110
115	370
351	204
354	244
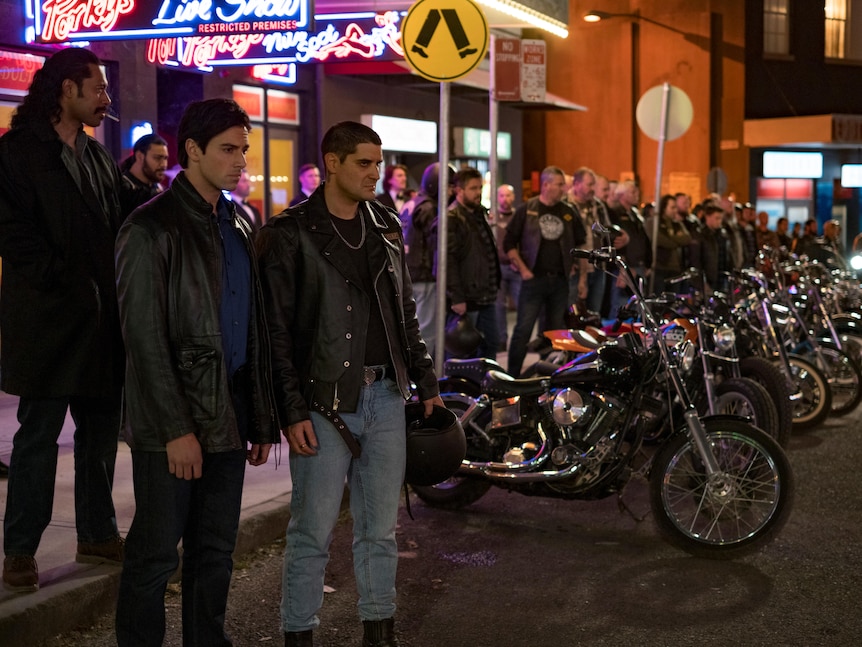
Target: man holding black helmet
346	346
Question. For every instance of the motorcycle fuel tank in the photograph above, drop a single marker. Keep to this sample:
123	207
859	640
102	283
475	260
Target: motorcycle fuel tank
610	364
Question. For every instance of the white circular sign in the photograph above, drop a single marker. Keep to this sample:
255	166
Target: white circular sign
680	113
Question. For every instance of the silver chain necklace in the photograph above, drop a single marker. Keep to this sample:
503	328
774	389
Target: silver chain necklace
361	238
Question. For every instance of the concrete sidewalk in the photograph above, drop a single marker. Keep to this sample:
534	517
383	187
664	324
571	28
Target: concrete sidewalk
72	595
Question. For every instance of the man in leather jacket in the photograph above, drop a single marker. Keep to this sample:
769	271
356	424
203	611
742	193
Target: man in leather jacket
346	346
198	384
540	238
473	277
61	346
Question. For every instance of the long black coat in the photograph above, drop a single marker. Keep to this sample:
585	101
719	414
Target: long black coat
58	306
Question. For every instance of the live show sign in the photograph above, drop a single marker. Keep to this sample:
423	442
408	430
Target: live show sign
58	21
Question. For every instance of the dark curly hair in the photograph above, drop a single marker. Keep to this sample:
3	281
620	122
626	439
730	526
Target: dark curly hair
42	102
203	120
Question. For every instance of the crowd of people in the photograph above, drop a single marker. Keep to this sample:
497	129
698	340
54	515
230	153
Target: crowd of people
207	333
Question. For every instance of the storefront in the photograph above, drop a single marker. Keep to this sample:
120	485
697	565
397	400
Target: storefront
294	71
806	168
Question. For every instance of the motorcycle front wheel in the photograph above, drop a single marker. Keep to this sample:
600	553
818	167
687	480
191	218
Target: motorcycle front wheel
457	491
732	513
812	402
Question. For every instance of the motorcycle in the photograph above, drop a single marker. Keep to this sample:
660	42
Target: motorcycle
718	486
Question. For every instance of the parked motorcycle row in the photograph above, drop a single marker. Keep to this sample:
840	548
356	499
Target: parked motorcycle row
696	396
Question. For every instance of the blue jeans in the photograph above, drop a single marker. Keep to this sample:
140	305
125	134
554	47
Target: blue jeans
595	290
620	296
510	286
375	480
425	295
204	513
552	292
33	469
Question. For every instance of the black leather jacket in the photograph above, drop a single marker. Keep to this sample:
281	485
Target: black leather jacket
318	313
169	287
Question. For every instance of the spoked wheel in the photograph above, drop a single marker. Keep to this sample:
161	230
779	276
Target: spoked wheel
844	378
740	396
733	512
771	378
812	400
457	491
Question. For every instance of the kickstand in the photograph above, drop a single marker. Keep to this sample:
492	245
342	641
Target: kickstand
625	508
407	502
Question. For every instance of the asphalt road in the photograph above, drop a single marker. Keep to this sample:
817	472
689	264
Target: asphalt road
513	571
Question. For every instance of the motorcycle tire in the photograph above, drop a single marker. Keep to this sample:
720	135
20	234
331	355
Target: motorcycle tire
457	491
735	512
845	379
740	396
814	401
770	377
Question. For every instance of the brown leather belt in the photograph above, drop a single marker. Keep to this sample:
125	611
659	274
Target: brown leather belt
341	427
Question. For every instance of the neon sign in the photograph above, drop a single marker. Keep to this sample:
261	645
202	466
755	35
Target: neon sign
363	36
56	21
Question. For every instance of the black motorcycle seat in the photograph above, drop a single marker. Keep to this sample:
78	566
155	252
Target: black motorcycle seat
474	368
500	384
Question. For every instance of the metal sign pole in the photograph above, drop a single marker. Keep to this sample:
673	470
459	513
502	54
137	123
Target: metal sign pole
665	111
442	226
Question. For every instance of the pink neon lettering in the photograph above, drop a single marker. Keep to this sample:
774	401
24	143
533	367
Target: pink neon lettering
63	17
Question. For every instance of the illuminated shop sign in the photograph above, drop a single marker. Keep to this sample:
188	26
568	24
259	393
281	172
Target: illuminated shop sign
57	21
782	164
339	38
476	143
17	70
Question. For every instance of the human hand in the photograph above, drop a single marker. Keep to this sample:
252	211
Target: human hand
301	438
185	460
459	308
258	454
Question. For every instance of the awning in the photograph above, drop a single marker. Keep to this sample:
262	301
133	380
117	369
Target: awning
813	131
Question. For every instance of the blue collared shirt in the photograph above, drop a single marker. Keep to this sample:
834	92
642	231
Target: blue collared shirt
235	307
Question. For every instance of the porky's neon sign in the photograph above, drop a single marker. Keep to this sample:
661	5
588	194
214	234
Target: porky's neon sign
56	21
355	37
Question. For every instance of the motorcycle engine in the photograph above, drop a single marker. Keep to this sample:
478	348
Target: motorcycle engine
581	417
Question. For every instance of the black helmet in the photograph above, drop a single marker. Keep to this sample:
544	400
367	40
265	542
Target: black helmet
436	445
462	339
431	178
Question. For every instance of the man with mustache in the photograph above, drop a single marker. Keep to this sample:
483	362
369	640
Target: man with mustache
61	348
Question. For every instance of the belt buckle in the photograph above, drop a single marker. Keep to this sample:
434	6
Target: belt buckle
369	376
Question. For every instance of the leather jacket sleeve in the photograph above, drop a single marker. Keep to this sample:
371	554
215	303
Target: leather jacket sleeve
142	277
277	249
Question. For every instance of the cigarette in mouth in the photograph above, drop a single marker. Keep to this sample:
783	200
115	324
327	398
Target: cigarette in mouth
112	117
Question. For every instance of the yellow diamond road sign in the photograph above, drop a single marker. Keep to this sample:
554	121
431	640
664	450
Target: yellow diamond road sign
444	40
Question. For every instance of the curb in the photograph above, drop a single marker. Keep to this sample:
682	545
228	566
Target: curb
77	595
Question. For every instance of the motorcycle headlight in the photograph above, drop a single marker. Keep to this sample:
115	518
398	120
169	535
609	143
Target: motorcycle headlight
725	337
685	353
856	262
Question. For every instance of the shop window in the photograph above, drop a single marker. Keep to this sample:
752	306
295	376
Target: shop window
843	25
776	27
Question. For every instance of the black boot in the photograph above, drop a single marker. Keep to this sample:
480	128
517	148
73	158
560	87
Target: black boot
298	639
379	633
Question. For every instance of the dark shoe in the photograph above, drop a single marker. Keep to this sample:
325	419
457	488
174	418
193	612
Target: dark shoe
379	633
298	639
20	573
106	552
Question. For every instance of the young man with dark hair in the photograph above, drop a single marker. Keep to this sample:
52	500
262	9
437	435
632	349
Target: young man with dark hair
61	347
143	172
309	180
473	277
198	385
346	346
394	187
